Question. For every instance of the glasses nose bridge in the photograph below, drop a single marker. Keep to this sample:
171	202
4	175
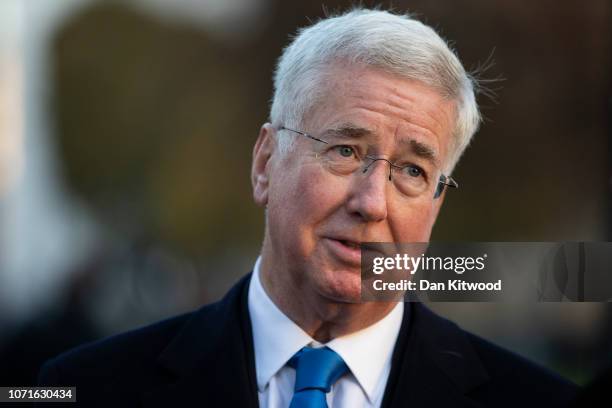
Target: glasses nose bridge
372	160
370	195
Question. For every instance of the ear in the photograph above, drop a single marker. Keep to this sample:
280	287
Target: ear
264	147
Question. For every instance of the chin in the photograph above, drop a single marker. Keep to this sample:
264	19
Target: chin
342	286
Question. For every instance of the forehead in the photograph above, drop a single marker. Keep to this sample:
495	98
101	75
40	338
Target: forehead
392	110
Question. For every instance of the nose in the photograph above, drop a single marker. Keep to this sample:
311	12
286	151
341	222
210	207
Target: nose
368	197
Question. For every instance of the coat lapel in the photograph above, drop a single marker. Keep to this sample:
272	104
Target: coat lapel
433	363
211	361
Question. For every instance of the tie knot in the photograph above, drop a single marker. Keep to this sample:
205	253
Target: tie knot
317	368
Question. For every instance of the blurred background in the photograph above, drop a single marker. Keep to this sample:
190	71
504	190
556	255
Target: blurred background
126	130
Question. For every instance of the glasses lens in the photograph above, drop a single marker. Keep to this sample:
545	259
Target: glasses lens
341	159
410	179
413	180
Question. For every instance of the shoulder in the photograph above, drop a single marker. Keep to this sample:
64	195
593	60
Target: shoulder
122	370
130	351
139	351
116	371
132	355
104	372
513	375
504	378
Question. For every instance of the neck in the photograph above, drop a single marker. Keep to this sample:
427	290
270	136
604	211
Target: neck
322	318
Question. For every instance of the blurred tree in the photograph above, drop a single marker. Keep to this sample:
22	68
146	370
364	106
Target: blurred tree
155	124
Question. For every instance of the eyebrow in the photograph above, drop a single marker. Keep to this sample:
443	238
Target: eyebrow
422	150
348	131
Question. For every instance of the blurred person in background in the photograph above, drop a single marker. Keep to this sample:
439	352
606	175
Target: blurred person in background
371	112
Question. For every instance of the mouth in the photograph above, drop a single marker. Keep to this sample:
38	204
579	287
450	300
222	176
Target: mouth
350	244
346	251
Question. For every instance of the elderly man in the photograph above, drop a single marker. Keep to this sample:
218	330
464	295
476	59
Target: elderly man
371	112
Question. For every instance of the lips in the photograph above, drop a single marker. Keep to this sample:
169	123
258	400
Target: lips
350	244
344	250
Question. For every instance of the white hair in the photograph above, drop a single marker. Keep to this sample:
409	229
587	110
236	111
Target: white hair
398	44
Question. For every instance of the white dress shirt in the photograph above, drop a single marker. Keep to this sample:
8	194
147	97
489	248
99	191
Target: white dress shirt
276	338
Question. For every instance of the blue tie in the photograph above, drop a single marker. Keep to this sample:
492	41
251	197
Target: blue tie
316	370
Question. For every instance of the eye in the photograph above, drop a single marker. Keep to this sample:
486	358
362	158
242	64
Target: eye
344	151
413	171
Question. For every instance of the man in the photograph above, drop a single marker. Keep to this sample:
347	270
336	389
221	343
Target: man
371	112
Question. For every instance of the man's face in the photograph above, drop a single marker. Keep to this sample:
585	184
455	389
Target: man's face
317	218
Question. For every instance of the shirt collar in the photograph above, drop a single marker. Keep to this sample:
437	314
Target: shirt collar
272	351
276	338
368	352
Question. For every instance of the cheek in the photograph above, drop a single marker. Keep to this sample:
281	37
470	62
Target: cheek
413	224
300	201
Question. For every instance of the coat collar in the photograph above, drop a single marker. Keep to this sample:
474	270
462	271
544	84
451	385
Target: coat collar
211	361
